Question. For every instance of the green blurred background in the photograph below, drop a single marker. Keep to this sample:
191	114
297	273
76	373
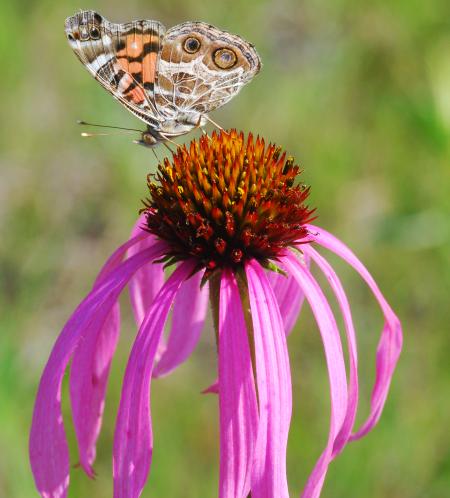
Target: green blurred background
359	92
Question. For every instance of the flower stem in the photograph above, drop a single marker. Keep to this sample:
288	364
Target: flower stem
243	291
214	298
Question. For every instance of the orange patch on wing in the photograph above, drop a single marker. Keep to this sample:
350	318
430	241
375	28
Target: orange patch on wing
149	67
134	48
134	45
135	67
136	95
123	62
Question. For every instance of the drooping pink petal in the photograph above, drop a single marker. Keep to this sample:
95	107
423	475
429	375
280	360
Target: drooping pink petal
188	319
289	296
117	256
335	364
352	403
273	379
390	344
133	439
48	446
90	369
237	396
147	281
88	380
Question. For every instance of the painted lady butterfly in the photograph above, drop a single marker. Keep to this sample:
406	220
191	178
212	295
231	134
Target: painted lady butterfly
170	79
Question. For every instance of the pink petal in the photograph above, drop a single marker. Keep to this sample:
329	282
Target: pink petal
391	339
289	296
341	297
212	388
273	387
147	281
237	398
90	369
335	363
117	256
133	439
48	446
188	319
88	380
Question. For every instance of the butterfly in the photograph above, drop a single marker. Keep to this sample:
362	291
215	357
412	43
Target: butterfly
170	79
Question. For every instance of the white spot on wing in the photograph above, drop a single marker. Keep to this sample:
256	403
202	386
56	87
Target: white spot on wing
103	59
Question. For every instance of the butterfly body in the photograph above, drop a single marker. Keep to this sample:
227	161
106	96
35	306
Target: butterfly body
170	79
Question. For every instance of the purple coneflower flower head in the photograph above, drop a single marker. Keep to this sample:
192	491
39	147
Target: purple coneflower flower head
231	215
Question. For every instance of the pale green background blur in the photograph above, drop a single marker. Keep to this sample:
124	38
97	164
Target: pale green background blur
359	92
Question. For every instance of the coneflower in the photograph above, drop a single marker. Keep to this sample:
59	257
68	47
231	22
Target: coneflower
231	216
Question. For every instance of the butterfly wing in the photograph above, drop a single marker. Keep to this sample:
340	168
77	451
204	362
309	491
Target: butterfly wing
121	57
200	68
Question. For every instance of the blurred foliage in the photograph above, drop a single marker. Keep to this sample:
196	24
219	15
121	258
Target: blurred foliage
359	92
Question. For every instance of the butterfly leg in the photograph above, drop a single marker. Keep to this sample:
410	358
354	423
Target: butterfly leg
214	123
156	156
199	125
167	147
167	139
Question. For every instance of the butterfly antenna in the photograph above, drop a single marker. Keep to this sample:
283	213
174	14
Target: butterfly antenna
84	123
84	134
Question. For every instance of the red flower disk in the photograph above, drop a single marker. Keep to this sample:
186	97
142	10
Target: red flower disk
226	200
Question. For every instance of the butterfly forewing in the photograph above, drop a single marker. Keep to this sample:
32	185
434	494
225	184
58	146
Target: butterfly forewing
137	47
122	57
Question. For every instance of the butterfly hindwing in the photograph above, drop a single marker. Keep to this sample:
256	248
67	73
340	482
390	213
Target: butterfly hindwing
200	77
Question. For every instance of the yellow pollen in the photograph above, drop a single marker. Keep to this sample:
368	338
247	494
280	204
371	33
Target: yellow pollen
169	171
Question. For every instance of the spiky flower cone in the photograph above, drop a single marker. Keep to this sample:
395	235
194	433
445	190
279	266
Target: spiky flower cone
226	200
